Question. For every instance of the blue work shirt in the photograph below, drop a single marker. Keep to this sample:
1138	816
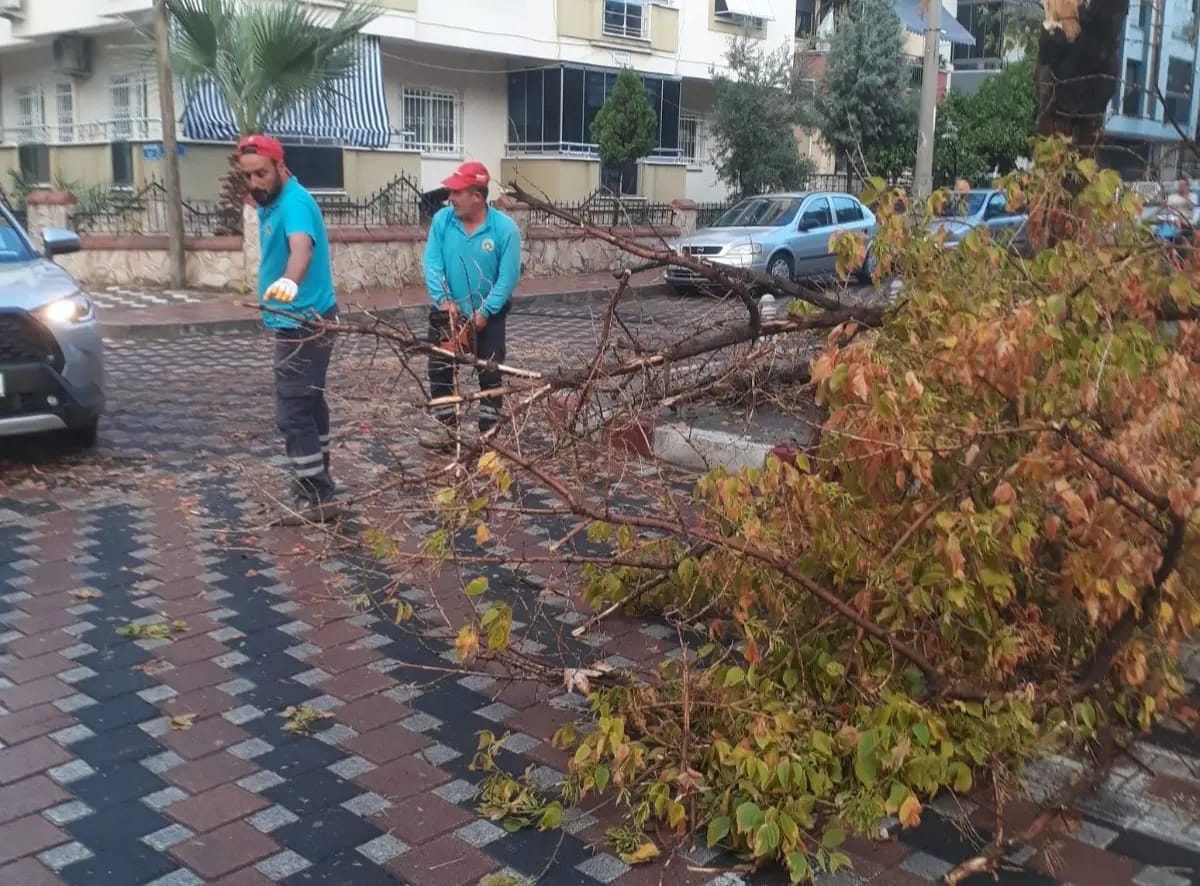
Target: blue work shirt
294	211
479	271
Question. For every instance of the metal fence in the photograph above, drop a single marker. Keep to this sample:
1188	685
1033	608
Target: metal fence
399	203
603	210
145	212
707	213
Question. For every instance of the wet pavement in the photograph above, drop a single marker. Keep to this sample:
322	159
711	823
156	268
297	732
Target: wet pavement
136	755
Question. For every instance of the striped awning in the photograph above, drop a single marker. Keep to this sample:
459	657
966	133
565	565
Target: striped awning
357	116
913	19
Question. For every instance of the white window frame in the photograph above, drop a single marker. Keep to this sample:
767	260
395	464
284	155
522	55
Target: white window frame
751	13
698	155
64	111
31	115
625	31
417	107
129	122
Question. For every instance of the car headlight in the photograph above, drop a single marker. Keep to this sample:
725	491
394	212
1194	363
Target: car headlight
67	311
745	249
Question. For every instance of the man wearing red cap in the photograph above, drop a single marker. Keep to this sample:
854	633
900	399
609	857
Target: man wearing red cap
295	282
472	264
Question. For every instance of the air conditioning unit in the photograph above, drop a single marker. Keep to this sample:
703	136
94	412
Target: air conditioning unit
13	10
73	55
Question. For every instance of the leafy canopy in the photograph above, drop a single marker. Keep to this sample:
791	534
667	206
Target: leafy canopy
863	107
988	130
265	57
626	127
754	120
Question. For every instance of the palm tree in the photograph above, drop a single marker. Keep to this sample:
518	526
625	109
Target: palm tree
265	57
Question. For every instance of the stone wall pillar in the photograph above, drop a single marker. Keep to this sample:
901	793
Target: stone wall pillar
47	208
516	210
251	252
683	215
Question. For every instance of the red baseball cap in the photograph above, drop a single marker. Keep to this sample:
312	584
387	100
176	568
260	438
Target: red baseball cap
469	175
263	145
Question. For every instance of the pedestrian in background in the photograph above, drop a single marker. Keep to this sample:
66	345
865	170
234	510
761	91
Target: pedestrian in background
472	264
295	277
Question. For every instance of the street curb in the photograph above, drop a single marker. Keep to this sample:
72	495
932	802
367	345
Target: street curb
702	449
415	315
683	445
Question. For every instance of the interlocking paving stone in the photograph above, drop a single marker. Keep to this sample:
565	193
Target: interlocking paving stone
253	611
383	849
283	865
167	837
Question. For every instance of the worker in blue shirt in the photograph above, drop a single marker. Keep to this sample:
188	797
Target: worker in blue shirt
472	265
295	282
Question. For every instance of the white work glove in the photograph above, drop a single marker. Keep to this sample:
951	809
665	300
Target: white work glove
282	290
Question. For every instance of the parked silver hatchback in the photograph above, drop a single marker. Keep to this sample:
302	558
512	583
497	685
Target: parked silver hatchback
786	235
51	354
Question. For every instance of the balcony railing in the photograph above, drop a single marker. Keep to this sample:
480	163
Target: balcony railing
96	132
581	151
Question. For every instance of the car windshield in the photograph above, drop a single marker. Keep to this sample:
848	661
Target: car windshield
13	247
963	205
759	212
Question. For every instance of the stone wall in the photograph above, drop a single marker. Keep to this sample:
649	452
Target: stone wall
363	258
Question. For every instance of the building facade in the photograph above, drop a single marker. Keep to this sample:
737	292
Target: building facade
513	84
1152	106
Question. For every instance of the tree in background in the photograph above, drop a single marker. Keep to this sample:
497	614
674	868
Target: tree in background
985	132
754	120
1079	53
265	58
864	100
626	127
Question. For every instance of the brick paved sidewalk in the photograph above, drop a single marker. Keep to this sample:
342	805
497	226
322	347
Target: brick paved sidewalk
127	761
127	312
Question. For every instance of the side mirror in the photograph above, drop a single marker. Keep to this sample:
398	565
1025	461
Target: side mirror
807	223
58	241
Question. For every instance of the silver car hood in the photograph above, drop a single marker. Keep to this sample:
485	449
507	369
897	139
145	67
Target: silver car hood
727	236
31	284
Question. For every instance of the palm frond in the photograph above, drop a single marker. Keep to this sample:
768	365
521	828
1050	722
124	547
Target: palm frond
266	56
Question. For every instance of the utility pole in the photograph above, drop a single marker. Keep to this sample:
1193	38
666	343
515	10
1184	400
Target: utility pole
170	158
927	121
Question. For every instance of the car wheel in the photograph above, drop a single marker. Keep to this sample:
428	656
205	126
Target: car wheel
84	437
780	266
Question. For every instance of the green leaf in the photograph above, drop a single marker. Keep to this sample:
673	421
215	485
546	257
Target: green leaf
962	777
797	866
718	830
921	731
766	839
834	668
734	677
749	816
784	773
552	817
477	587
865	766
833	837
601	774
822	743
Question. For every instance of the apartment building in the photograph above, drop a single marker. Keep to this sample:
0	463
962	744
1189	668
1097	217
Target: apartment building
1158	55
816	21
514	84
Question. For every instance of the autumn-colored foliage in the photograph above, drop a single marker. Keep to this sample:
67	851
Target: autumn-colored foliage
989	557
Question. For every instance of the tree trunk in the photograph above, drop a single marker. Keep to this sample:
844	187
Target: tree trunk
1078	67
